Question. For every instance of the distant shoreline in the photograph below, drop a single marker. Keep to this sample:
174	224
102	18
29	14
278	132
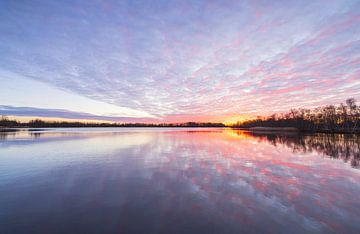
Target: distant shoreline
259	129
14	129
38	123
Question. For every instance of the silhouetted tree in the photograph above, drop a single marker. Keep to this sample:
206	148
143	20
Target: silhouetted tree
343	118
38	123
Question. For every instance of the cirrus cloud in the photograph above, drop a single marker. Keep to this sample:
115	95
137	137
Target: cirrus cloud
180	58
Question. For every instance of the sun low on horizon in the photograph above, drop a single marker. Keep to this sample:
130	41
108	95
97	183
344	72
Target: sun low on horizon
176	61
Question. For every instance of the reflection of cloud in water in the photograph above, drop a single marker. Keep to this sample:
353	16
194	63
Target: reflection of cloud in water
247	178
52	149
109	139
196	182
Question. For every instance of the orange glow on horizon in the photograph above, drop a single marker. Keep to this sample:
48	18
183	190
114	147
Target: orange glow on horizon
231	120
227	120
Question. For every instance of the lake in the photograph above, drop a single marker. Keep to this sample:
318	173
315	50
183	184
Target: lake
178	180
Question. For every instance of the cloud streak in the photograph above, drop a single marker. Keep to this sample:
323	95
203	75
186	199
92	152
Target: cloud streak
65	114
188	59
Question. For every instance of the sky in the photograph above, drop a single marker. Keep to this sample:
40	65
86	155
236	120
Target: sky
176	61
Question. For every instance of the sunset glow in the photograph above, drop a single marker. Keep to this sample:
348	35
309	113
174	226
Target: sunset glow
180	116
176	61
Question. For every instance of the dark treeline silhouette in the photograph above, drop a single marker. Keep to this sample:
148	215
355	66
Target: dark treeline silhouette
338	146
37	123
343	118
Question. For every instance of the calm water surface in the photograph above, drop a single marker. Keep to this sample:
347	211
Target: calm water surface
178	181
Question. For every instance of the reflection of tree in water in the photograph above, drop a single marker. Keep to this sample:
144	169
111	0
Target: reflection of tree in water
35	134
3	135
339	146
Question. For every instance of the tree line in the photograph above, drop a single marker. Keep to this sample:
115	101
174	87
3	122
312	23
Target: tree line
5	122
343	118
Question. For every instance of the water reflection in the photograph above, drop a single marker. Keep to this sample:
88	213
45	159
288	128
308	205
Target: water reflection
172	181
337	146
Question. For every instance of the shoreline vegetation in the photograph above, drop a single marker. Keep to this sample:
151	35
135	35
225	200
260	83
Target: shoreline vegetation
343	118
7	124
